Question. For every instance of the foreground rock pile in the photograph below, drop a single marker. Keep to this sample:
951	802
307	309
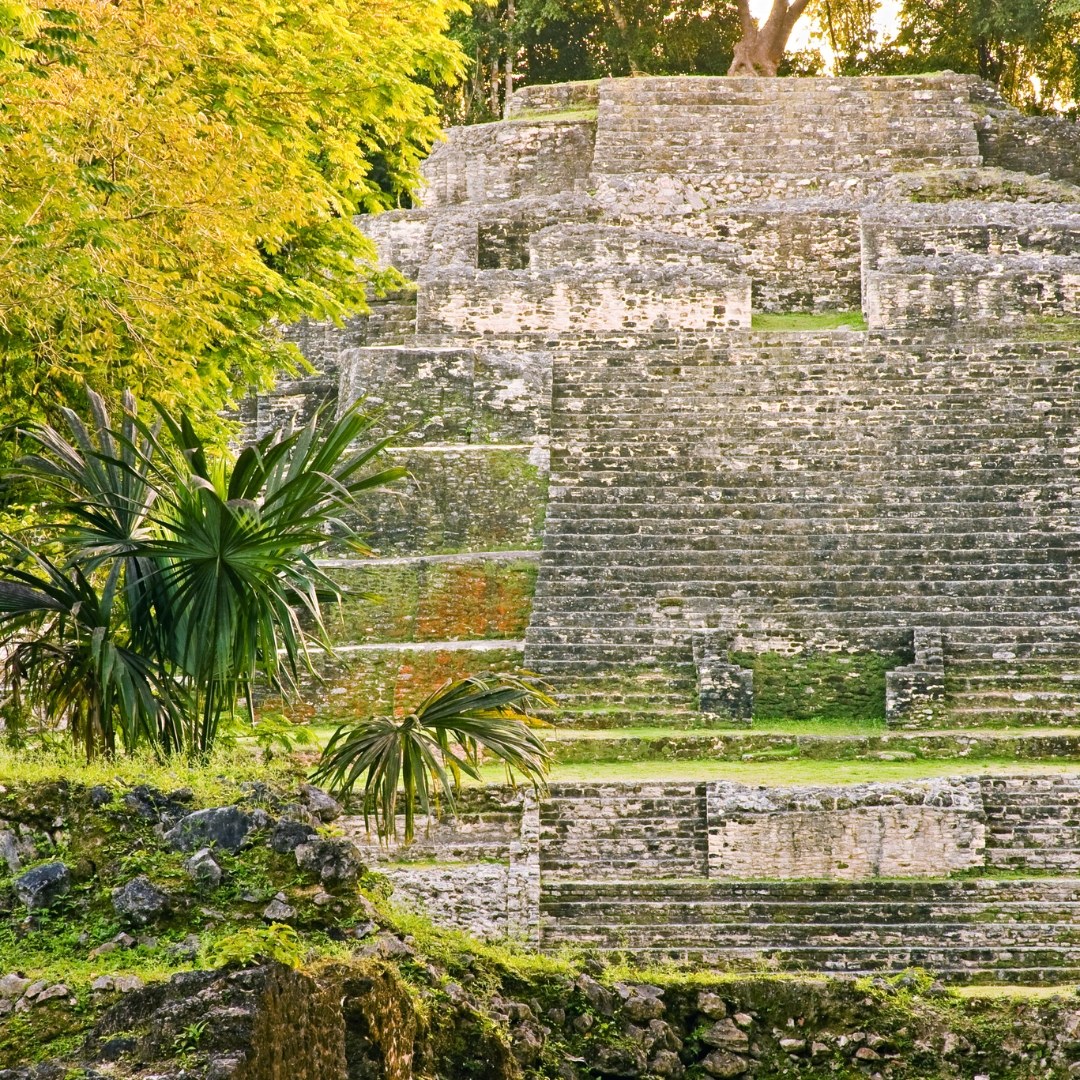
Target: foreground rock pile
139	932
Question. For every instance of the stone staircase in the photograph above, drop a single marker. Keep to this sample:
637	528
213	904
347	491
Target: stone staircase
633	868
980	930
799	127
839	488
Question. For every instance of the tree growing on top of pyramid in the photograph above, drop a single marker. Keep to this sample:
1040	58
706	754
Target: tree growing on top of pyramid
761	47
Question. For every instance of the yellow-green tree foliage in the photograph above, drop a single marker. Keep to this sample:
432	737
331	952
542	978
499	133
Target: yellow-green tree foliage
178	179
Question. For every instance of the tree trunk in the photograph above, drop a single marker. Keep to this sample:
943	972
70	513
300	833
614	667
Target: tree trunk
615	14
761	48
511	12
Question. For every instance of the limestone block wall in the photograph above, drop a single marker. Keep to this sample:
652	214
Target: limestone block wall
478	871
434	598
600	831
972	290
602	246
499	302
846	878
507	160
389	678
1030	144
448	394
1032	823
892	232
484	497
853	832
802	254
555	97
403	238
660	125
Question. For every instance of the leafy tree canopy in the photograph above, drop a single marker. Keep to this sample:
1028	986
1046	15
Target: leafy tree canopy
563	40
1030	48
178	179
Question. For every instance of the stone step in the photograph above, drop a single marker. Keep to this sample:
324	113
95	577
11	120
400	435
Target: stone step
808	895
1002	697
599	565
957	683
719	583
686	537
692	928
976	716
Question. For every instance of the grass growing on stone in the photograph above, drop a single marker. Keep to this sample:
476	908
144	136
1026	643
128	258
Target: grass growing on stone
808	320
819	685
783	772
211	781
813	726
584	112
435	602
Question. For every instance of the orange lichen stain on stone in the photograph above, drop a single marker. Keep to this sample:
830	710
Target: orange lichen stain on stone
425	673
471	602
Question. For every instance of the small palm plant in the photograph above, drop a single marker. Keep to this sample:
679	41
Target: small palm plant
423	756
178	573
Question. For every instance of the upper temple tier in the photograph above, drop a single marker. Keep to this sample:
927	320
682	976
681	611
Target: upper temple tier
765	368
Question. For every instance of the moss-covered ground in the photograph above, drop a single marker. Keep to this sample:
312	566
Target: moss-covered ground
489	1011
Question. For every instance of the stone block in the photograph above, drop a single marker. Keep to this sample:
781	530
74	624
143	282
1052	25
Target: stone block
914	692
724	689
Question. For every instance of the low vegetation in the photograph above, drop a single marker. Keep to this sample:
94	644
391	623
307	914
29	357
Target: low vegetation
794	321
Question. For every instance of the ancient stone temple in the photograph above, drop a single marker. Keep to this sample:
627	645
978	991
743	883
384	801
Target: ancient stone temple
738	400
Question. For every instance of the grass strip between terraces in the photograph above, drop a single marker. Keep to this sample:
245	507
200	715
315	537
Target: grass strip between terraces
808	320
781	773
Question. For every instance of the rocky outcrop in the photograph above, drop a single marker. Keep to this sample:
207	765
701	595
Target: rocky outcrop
367	1021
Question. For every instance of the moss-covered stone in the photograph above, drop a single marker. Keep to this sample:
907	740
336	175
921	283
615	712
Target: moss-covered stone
392	681
460	499
435	601
831	685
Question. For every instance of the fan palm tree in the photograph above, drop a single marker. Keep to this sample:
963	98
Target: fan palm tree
423	755
67	655
183	572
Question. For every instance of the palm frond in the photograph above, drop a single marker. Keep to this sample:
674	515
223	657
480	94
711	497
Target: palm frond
424	754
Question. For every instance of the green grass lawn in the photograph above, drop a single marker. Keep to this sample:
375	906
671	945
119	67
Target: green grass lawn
808	320
584	112
760	727
779	773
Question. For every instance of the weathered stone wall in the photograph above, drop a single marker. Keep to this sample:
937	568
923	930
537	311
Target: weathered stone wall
451	395
853	832
496	303
1032	823
802	254
601	246
485	497
435	598
387	679
507	160
657	126
1031	144
829	876
918	292
891	231
555	97
478	871
599	831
